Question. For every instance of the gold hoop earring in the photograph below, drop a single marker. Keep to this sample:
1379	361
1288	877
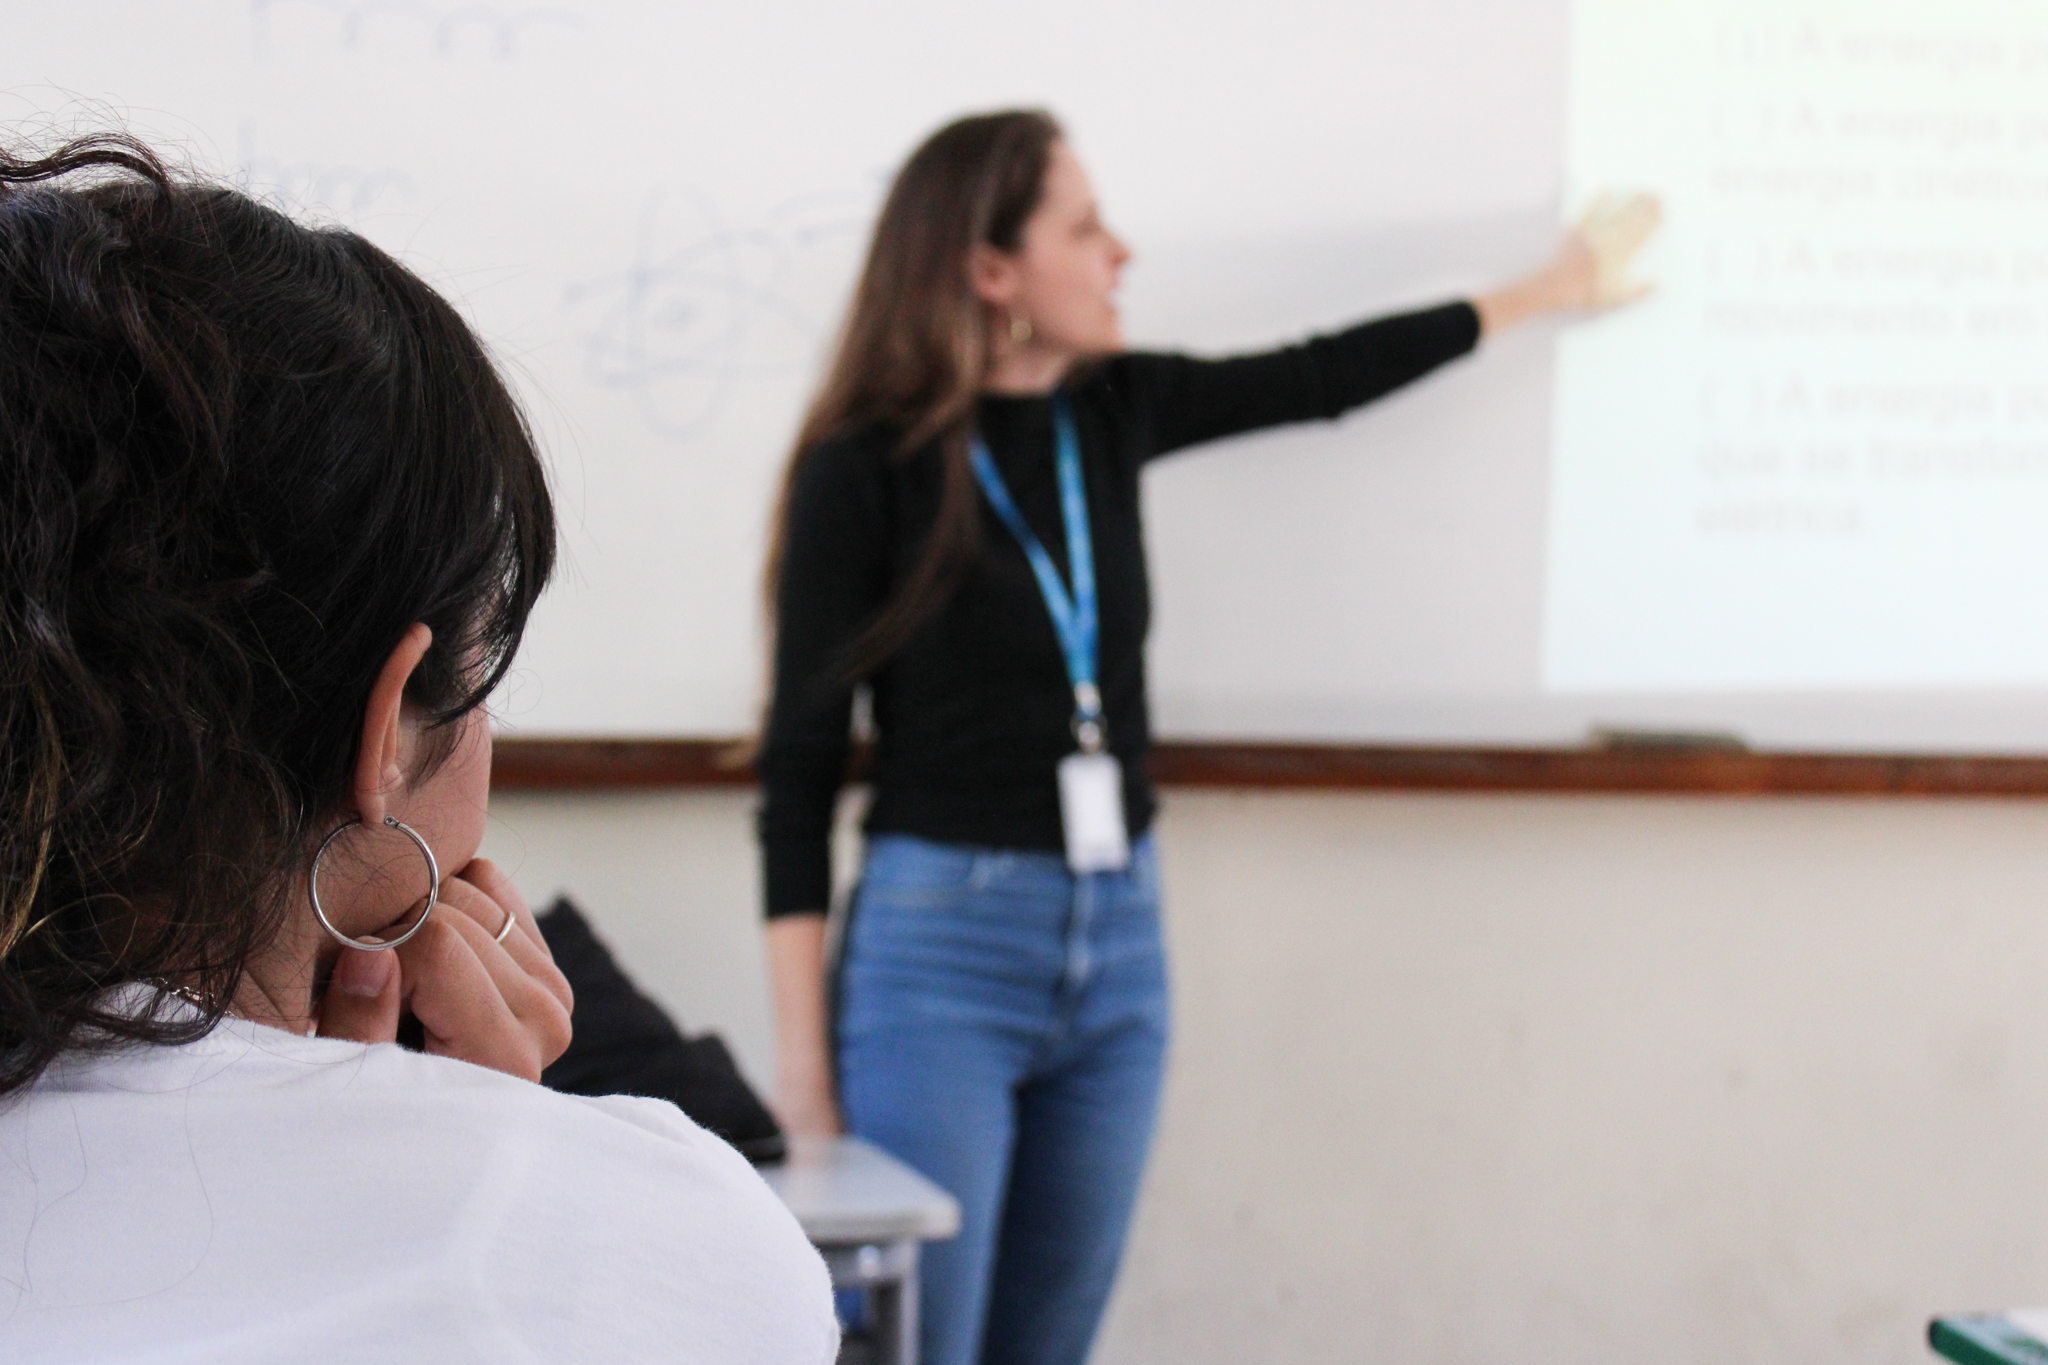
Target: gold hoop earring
433	887
1020	328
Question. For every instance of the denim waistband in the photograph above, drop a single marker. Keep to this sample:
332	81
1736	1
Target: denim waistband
907	862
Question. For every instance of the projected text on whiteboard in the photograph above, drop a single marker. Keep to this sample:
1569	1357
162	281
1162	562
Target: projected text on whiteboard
1818	457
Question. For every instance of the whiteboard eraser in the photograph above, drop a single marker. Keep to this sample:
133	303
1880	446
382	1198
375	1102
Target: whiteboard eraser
1685	741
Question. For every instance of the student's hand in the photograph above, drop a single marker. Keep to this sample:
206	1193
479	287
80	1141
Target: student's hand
500	1005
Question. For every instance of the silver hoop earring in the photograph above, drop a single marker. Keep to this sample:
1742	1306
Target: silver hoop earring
1020	328
433	887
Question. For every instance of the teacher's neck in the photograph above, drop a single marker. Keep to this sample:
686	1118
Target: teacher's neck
1026	371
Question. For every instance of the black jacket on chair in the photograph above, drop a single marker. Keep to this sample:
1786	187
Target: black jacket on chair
625	1044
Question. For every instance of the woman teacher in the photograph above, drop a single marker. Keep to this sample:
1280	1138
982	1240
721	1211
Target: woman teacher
960	536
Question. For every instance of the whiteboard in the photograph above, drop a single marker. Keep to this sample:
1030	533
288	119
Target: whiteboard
652	212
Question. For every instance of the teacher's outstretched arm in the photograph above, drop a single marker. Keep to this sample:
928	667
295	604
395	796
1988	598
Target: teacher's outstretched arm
1172	401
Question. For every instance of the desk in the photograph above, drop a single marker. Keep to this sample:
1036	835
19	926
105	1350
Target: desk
867	1212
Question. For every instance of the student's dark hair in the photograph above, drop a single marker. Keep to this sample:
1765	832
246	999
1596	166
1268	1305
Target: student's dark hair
914	350
239	458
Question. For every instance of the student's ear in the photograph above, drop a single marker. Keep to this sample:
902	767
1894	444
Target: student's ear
994	275
380	765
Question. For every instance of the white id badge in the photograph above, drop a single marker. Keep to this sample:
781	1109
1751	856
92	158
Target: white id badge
1092	809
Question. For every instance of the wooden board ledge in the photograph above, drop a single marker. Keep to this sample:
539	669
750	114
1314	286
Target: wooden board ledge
615	764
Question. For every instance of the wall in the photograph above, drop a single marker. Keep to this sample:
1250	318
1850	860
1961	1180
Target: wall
1529	1078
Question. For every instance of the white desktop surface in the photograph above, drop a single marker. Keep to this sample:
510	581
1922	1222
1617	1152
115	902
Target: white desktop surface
844	1190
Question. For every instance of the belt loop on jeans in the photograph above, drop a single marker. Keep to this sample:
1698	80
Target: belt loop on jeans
986	867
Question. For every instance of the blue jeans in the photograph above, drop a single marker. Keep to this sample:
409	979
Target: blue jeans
1002	1028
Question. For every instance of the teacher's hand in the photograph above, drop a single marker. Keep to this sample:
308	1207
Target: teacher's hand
1592	267
805	1107
502	1005
1602	250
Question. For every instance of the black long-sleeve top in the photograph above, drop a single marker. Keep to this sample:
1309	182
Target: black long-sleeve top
973	713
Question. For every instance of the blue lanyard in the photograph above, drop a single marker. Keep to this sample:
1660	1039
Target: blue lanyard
1073	618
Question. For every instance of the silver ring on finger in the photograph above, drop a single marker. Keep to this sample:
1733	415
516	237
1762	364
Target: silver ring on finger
505	928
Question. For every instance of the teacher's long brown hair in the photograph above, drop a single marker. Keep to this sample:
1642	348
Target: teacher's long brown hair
915	346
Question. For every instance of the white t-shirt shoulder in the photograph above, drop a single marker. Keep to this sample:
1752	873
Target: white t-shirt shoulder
257	1196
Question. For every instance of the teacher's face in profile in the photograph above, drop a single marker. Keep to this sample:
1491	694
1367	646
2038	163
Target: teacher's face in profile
1063	277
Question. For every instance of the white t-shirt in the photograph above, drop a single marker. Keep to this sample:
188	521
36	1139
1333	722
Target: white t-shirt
257	1196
